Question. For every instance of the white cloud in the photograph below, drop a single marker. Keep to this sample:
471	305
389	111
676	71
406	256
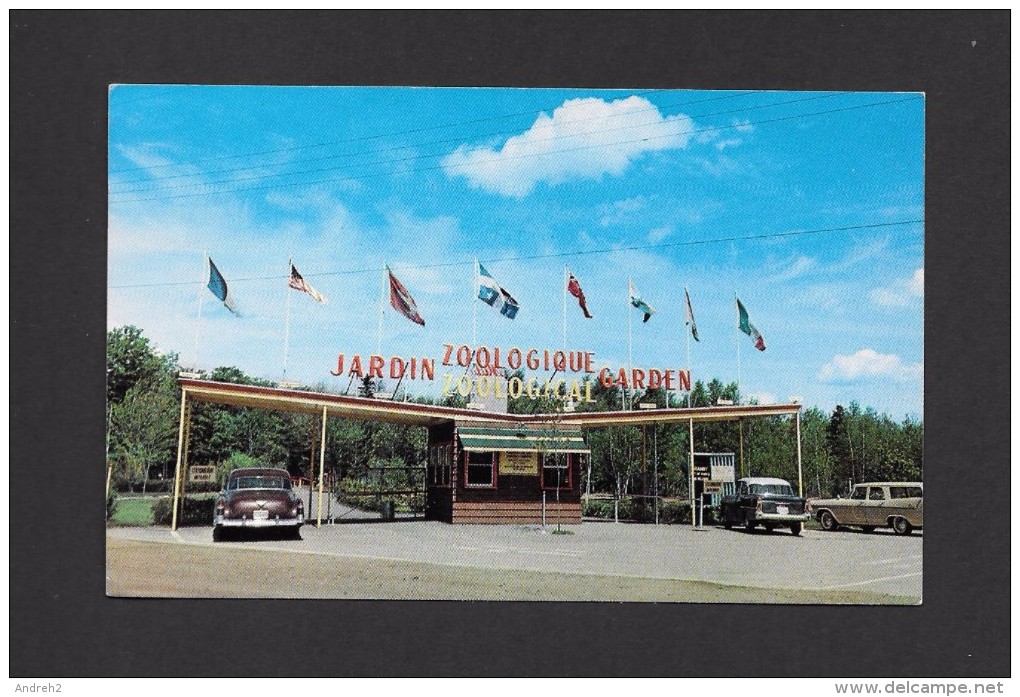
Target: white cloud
583	139
728	143
798	267
659	234
621	211
868	365
901	292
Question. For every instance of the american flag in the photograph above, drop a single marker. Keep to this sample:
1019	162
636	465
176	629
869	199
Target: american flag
297	282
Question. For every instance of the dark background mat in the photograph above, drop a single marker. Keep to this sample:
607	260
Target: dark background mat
61	63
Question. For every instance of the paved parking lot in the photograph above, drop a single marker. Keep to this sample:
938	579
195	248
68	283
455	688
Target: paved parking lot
879	567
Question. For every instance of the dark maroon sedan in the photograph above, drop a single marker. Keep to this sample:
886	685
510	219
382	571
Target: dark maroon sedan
258	498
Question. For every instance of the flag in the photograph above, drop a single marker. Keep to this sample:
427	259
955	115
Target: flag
297	282
494	295
574	288
401	300
748	328
636	301
690	315
218	286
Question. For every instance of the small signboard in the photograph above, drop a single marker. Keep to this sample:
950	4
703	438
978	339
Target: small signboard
712	488
722	473
202	473
518	463
702	471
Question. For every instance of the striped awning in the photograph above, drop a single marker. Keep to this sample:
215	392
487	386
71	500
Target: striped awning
524	440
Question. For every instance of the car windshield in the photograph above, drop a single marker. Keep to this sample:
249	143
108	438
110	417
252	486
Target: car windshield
260	482
779	489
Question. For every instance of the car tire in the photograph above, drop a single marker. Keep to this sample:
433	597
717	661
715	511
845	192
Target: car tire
218	534
726	522
795	528
868	528
749	525
769	527
828	521
902	526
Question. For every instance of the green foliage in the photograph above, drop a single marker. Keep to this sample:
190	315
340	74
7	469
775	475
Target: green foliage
196	510
130	359
111	504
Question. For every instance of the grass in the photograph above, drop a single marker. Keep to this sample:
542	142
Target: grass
133	511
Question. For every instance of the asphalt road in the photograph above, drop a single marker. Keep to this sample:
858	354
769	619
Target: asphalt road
844	566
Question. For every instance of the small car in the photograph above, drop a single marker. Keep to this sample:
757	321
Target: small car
765	501
896	505
258	498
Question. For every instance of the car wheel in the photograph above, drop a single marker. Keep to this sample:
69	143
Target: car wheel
726	522
868	528
828	522
902	526
769	527
217	534
749	525
795	528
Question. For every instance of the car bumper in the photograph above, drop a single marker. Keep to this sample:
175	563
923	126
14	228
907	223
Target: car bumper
223	522
780	517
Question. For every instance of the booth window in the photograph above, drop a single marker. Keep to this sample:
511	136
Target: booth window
556	471
441	465
481	469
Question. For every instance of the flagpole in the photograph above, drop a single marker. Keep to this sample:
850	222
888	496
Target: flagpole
566	271
286	331
630	345
201	298
474	311
382	311
736	336
688	341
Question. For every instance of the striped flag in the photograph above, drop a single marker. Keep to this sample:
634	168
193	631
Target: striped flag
218	286
748	328
297	282
494	295
636	301
401	300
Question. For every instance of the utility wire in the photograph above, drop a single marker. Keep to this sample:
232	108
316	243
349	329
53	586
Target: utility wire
511	157
556	255
154	184
412	131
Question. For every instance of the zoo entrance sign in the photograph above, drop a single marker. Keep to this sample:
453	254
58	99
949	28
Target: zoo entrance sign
486	368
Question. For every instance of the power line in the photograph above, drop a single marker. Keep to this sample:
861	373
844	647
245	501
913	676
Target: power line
557	255
504	158
657	109
386	135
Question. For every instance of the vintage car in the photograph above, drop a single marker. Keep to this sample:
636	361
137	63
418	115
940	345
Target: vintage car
896	505
765	501
258	498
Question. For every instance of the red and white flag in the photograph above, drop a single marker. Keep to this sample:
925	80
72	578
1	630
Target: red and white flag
401	300
574	288
297	282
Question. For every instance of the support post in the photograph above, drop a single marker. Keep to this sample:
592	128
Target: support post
322	459
800	472
740	469
180	459
690	471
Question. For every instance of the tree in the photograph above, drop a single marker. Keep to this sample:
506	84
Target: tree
144	423
130	358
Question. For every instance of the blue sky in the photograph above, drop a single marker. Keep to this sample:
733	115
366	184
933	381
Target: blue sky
807	205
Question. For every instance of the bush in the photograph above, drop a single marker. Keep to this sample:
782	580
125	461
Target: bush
196	511
671	511
111	504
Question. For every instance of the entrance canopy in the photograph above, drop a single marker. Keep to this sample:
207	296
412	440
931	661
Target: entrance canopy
522	440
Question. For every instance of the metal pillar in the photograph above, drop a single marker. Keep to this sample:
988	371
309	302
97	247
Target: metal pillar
800	472
690	471
180	459
322	459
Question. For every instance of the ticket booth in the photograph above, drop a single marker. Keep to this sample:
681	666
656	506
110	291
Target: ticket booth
527	474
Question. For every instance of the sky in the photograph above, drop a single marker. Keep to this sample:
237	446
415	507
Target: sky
807	206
